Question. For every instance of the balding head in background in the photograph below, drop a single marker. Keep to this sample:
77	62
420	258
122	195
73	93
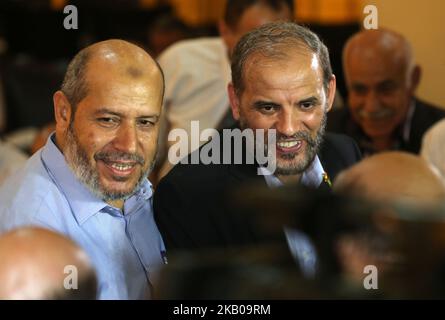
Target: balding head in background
107	114
381	78
36	262
392	176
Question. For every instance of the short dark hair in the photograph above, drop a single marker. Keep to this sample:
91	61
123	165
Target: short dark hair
236	8
273	41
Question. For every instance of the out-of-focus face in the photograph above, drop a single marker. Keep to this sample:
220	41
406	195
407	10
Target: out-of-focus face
413	179
252	18
379	92
112	142
287	95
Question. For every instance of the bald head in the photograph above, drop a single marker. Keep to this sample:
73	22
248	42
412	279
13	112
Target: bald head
380	45
392	176
107	116
34	266
111	59
381	78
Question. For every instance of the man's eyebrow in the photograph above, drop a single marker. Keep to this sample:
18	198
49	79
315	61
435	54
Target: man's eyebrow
388	82
358	85
153	117
313	100
103	111
107	111
261	104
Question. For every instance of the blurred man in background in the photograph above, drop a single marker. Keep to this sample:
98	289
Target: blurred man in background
382	77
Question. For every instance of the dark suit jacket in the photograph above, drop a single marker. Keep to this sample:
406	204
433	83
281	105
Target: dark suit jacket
191	204
425	115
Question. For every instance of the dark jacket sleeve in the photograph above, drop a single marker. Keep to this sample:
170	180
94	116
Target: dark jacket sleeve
170	206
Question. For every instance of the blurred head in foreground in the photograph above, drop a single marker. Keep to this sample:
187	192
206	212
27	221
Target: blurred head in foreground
411	193
40	264
392	176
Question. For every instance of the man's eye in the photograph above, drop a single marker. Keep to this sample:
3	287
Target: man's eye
268	109
387	89
107	121
359	90
306	105
146	123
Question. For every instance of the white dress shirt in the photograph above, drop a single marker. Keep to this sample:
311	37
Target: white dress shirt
196	72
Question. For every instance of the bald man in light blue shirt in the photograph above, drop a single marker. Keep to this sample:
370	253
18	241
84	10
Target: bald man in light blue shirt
89	181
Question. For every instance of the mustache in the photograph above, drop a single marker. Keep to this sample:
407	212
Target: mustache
375	114
300	135
108	156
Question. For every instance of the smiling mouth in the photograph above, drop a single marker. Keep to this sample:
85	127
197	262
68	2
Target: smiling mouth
289	146
375	116
121	169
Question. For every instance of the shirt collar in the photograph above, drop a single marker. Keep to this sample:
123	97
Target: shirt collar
312	177
408	121
402	133
84	204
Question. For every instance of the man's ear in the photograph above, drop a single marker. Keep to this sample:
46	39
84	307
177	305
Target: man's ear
332	87
234	101
415	75
62	111
224	30
226	34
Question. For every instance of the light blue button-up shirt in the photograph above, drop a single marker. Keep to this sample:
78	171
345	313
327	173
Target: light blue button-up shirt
126	250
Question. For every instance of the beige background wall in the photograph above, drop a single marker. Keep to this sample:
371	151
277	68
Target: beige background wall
423	23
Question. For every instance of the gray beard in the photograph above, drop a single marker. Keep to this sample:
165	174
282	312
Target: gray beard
77	159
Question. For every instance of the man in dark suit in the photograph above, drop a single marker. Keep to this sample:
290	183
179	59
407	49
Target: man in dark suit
282	82
381	78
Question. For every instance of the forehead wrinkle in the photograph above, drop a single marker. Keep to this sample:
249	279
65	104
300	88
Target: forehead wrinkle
303	75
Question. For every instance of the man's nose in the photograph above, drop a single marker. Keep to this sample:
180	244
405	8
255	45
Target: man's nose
287	123
371	103
126	139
